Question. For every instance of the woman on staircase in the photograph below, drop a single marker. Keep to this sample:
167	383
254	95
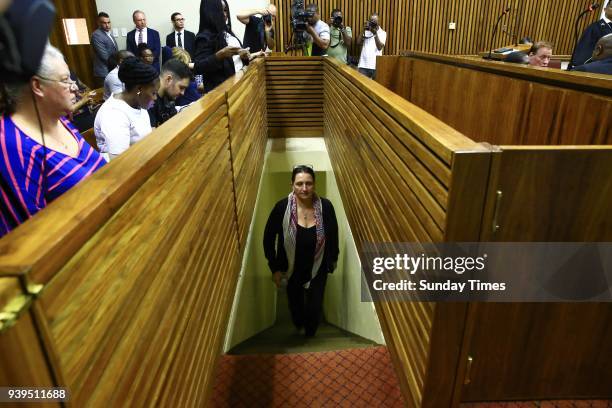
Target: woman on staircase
306	250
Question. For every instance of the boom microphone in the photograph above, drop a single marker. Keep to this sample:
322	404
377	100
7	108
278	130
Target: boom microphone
495	30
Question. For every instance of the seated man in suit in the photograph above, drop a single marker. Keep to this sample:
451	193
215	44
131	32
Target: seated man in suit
143	34
104	45
601	61
180	37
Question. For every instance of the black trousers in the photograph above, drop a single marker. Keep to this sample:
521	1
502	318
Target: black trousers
306	305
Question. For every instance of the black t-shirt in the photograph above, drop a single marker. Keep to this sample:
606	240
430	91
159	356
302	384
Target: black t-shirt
255	34
305	246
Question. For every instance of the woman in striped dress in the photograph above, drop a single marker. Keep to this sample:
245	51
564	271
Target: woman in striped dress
41	154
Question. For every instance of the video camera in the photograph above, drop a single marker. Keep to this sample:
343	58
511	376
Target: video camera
299	19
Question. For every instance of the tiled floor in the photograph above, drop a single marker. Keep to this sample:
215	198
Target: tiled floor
347	378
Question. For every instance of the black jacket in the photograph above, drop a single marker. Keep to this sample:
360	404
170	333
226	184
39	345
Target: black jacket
214	72
603	66
162	110
188	41
255	35
275	250
590	36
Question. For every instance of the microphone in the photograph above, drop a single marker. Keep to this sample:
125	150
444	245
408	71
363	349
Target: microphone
590	9
495	30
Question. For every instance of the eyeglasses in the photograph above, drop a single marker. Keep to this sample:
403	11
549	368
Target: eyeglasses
301	166
179	19
68	82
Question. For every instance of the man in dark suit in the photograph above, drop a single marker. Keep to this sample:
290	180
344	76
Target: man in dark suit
104	45
180	37
601	61
590	36
143	34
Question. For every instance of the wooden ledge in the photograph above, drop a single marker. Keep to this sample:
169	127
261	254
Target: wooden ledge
580	81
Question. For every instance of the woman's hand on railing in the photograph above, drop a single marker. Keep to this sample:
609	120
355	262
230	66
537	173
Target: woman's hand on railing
257	54
227	52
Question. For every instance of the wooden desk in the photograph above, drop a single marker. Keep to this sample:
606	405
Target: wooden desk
502	56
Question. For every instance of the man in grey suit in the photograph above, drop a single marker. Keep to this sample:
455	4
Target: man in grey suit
104	46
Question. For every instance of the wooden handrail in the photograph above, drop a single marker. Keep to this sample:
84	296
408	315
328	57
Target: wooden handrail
440	137
580	81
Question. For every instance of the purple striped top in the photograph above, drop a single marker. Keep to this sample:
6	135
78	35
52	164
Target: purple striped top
21	184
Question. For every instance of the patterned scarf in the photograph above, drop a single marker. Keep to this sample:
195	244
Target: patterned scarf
290	224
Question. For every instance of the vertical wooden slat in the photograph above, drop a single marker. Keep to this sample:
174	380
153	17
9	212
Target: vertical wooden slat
422	25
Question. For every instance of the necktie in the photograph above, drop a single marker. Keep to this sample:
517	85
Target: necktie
139	36
180	42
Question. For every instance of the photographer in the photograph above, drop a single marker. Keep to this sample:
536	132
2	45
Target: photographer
373	40
341	37
259	31
318	32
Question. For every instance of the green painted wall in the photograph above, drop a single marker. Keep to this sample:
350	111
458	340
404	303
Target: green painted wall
254	307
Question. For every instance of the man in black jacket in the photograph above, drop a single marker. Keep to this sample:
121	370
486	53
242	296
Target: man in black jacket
601	59
173	81
180	37
591	35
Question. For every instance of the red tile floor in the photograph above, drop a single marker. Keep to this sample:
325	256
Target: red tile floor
347	378
362	377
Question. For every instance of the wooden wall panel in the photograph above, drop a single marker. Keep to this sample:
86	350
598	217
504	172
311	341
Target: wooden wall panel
534	208
405	158
23	359
78	57
136	294
248	129
173	271
504	104
294	96
422	25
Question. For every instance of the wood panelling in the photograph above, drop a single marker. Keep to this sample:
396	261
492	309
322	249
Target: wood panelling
78	57
140	261
295	96
23	361
530	201
511	359
422	25
170	263
248	128
402	193
504	104
141	264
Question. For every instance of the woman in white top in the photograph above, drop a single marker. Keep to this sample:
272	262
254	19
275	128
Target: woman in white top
123	119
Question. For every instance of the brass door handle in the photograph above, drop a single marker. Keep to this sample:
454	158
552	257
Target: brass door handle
468	371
